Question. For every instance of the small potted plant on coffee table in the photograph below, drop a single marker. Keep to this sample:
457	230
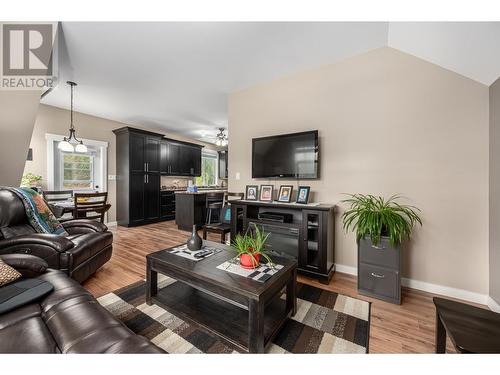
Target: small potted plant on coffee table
251	247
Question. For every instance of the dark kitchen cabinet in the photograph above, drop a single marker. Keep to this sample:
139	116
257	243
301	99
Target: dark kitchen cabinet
180	158
167	204
152	155
141	158
136	145
223	170
152	197
136	199
164	166
138	176
191	161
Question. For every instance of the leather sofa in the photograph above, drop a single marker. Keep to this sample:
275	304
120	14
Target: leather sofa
67	320
88	246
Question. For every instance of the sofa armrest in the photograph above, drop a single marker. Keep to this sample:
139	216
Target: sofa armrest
27	265
58	243
80	226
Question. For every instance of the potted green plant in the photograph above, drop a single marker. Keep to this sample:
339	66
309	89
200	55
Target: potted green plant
251	247
30	180
381	225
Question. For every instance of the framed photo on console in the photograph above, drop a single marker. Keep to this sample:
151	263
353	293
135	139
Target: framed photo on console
285	193
252	192
266	193
303	194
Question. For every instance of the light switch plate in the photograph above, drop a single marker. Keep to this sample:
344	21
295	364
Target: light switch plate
111	177
238	176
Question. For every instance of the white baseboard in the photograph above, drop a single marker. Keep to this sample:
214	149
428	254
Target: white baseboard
346	269
493	305
112	223
431	288
445	291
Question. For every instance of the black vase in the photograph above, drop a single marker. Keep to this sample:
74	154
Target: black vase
195	241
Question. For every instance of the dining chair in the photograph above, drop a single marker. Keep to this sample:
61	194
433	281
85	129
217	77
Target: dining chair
91	206
214	202
222	227
52	197
229	197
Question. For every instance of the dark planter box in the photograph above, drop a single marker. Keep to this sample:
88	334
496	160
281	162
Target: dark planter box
379	270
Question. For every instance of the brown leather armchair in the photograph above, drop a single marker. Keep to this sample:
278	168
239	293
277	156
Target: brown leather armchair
80	254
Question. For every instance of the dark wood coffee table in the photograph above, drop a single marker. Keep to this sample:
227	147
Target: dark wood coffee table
245	313
471	329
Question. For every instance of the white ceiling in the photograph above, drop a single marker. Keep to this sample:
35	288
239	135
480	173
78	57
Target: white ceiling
175	77
468	48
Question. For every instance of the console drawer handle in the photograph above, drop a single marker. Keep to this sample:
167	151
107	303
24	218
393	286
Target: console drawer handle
378	247
378	275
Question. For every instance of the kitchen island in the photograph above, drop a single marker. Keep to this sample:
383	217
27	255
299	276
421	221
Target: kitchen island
191	208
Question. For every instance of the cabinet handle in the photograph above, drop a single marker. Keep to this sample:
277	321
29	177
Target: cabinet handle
378	247
378	275
145	178
145	169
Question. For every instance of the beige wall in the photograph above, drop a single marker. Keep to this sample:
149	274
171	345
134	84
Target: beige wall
56	121
18	111
388	123
494	260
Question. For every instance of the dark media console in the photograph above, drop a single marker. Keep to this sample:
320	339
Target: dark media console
278	217
304	232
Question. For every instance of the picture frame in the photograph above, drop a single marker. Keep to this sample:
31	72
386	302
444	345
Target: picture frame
303	194
266	193
252	192
285	193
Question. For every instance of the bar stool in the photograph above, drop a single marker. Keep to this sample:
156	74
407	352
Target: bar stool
214	203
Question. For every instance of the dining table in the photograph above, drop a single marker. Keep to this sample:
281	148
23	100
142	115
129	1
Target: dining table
61	208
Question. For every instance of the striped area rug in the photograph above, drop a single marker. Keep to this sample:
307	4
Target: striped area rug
325	322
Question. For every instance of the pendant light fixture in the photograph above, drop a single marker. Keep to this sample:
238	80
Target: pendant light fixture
67	143
221	138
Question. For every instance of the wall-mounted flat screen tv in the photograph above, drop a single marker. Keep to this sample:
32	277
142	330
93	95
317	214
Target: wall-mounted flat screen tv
286	156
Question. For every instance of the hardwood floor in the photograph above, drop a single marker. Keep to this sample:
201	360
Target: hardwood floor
406	328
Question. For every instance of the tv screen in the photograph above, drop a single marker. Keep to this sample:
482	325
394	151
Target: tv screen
287	156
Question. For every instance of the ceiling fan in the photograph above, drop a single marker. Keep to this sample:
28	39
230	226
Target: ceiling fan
220	139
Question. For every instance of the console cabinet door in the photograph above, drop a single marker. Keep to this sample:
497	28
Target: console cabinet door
312	247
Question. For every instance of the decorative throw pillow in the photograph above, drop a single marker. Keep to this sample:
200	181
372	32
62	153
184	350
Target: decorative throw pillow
7	274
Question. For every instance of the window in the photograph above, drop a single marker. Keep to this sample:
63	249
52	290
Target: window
208	169
77	171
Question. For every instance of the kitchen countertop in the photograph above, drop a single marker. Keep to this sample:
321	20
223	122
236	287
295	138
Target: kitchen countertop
201	191
183	189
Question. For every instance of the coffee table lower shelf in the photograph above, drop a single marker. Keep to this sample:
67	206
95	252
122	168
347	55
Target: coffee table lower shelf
221	318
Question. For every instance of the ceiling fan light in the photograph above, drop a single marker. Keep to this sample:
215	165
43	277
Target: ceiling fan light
218	142
81	148
224	142
65	146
